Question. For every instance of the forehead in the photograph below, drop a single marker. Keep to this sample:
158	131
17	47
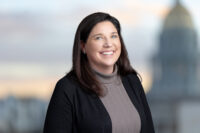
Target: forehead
103	27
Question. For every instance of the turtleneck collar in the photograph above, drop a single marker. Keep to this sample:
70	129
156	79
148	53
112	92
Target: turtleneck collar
107	78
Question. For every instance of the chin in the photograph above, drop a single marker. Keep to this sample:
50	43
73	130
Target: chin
109	64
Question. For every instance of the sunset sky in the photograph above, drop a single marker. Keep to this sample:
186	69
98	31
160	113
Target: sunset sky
36	38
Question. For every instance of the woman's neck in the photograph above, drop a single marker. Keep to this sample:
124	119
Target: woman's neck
104	70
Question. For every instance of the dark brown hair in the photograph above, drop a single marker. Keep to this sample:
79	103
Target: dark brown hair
81	67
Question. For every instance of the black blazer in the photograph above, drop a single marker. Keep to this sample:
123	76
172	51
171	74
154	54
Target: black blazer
72	110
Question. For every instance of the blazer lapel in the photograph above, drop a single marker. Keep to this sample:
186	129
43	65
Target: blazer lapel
134	97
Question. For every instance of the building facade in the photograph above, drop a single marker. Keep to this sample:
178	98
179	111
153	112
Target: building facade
22	115
176	70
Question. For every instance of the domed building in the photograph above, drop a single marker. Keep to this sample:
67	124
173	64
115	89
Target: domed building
176	70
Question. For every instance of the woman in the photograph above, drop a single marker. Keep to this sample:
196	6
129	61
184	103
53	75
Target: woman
102	93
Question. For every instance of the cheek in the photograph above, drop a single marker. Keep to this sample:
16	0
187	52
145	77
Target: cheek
119	47
92	48
119	51
118	44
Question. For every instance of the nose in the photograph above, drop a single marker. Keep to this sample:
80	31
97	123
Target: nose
107	43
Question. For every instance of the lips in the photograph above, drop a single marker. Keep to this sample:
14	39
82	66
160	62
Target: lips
107	52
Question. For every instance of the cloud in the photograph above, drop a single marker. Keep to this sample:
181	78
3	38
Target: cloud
40	88
23	70
135	13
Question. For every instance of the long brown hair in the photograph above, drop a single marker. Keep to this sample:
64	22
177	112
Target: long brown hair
81	67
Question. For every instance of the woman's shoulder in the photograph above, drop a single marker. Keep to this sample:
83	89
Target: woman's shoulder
135	80
67	82
70	86
133	76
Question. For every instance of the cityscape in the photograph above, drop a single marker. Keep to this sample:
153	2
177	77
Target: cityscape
167	59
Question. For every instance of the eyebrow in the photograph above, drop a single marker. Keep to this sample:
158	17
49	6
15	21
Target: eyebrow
101	34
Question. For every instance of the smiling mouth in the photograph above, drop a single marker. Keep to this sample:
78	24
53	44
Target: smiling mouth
107	53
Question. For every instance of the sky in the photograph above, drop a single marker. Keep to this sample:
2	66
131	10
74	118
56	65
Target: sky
36	38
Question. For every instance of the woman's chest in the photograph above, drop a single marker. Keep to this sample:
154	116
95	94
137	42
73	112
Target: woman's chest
90	115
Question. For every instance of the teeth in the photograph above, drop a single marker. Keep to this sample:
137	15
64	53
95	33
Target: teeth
108	53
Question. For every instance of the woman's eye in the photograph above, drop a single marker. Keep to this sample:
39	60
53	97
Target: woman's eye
98	38
114	36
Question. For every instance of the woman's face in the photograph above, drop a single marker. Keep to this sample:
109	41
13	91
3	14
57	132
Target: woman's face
103	47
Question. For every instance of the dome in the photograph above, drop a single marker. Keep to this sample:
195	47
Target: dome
179	16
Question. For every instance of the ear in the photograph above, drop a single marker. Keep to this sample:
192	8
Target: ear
83	47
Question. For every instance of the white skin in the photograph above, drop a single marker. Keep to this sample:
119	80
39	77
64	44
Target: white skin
103	47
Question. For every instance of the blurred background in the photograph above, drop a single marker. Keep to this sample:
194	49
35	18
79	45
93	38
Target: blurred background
162	38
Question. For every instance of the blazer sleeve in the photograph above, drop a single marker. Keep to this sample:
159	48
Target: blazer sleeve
150	126
59	113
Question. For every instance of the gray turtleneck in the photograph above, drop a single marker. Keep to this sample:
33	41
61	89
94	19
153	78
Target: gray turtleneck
123	114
